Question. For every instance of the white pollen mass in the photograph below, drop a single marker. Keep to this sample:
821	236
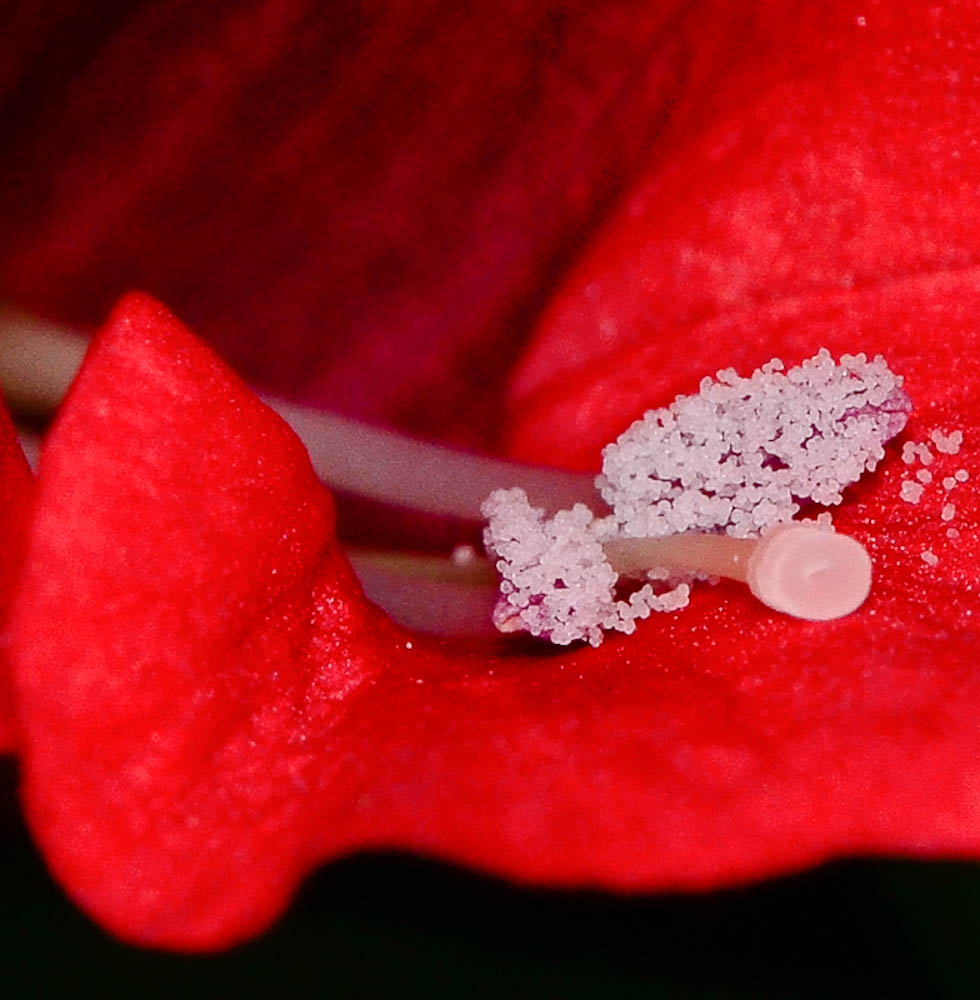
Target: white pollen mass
737	458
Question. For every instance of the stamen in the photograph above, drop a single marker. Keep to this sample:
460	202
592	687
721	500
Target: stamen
708	487
560	573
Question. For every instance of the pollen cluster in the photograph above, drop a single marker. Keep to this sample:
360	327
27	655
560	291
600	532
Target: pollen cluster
737	458
741	454
557	581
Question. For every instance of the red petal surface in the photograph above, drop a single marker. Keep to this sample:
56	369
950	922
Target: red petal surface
15	497
184	641
210	708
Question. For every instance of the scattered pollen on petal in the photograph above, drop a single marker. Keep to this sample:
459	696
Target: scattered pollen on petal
915	491
946	443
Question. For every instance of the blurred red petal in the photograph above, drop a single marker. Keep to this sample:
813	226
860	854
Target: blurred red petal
16	487
364	203
832	205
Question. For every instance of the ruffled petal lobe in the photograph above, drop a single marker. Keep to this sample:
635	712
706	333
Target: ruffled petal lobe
185	623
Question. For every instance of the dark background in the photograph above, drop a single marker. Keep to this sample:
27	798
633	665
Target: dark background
395	926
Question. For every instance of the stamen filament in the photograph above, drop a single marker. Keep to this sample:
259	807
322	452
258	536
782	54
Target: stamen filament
38	361
378	464
429	593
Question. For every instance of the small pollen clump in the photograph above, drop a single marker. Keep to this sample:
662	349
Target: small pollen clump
557	581
911	492
946	443
737	458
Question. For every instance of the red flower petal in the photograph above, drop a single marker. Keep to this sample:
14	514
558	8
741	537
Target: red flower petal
210	708
16	486
200	730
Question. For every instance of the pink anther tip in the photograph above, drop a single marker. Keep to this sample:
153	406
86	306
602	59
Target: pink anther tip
810	573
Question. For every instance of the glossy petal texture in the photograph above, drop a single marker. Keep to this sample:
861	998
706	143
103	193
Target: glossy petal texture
210	707
16	488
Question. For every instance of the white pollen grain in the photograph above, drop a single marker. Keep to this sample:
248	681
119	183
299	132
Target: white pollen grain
464	555
924	476
952	533
930	558
948	512
961	475
910	492
947	443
